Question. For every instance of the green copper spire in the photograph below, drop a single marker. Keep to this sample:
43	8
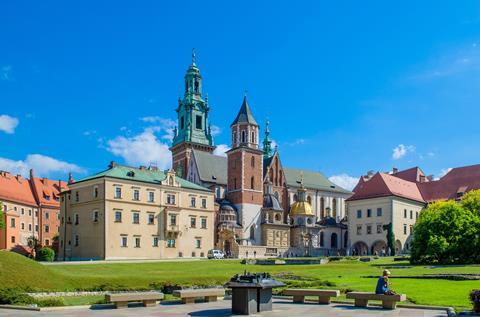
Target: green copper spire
267	143
192	110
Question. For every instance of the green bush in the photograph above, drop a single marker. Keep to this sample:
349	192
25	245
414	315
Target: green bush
46	254
50	302
14	296
447	233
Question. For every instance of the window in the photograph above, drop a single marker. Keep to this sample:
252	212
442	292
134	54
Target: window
47	242
12	222
359	213
155	242
13	239
322	239
404	229
253	138
77	198
136	194
23	211
204	203
193	222
77	219
194	254
95	216
137	242
36	228
252	161
118	192
118	216
123	242
416	215
30	212
204	223
234	183
36	213
369	213
182	123
77	240
95	191
47	215
243	136
15	208
136	217
369	229
173	219
193	201
411	229
151	197
171	199
151	219
234	137
379	229
252	183
359	229
29	227
379	212
198	243
170	243
411	214
405	213
22	225
47	228
198	122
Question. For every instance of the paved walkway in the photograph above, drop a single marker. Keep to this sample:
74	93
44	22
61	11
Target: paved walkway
222	308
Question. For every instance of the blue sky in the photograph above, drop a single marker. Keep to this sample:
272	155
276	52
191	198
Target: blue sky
347	86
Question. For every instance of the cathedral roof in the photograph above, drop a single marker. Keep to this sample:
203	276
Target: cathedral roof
301	208
211	168
245	114
312	180
270	201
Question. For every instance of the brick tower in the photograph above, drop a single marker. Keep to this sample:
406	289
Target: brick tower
193	130
245	181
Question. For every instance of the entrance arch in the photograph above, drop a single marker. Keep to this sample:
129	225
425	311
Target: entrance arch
360	248
379	247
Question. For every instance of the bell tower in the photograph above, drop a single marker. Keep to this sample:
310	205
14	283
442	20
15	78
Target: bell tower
193	129
245	173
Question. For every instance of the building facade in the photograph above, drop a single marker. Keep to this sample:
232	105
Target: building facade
31	209
397	198
135	213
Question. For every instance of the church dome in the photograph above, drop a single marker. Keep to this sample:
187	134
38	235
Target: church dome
301	208
271	201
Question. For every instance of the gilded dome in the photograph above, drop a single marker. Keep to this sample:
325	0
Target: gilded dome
301	208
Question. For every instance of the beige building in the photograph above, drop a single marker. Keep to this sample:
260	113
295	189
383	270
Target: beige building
135	213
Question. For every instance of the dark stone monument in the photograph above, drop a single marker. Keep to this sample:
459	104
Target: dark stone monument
252	293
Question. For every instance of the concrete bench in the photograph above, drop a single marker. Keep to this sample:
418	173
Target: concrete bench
388	301
121	300
188	296
324	295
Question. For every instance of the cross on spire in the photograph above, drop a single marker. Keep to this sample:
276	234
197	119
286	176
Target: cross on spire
193	56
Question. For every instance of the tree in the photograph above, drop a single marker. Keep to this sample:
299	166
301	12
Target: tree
2	216
46	254
471	201
390	238
446	233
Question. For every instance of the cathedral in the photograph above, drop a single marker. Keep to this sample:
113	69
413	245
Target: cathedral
262	208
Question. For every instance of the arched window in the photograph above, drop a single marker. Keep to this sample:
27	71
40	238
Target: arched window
243	136
334	208
322	240
277	217
333	241
234	140
253	137
271	175
253	161
252	183
309	199
322	207
280	178
252	232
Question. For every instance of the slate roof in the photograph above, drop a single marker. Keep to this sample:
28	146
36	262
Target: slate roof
245	114
311	180
211	168
153	176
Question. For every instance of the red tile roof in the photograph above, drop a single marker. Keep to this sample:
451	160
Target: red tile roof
16	189
407	184
48	191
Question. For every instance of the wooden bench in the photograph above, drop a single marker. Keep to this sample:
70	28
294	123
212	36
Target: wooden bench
188	296
324	295
388	301
121	300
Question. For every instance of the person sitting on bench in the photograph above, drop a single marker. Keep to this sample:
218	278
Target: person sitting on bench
383	286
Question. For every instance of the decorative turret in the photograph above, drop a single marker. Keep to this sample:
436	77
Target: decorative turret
267	143
301	213
245	127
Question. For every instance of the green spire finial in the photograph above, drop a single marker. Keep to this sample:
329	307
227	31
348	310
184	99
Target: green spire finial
267	143
193	56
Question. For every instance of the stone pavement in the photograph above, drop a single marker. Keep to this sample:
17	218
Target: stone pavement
222	308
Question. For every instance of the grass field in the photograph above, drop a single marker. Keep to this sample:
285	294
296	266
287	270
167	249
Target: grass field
17	271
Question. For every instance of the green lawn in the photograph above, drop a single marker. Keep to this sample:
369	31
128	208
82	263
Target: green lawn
343	275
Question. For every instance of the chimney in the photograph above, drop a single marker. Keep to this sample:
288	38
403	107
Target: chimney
32	174
394	170
430	178
112	164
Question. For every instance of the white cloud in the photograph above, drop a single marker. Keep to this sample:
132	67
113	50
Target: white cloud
443	172
215	130
401	150
42	165
142	149
6	73
89	132
8	124
221	149
296	142
344	180
160	124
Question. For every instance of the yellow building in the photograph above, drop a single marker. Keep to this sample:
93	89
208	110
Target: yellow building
135	213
